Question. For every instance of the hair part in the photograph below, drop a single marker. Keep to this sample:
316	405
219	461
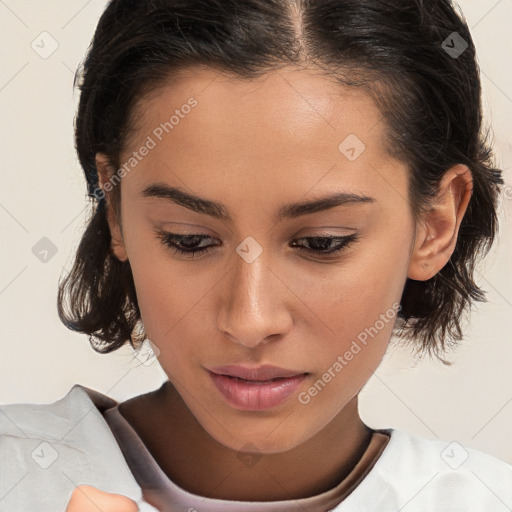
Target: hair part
392	49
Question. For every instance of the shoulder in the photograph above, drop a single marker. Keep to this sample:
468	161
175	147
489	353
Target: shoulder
46	450
418	474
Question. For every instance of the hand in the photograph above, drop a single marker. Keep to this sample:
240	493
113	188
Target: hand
86	498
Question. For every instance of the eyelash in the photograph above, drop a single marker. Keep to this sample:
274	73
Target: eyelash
171	239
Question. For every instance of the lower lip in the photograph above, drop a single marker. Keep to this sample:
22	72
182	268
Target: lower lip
256	395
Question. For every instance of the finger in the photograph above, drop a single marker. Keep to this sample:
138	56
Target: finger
86	498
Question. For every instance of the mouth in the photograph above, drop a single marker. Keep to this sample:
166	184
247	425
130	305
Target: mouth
255	389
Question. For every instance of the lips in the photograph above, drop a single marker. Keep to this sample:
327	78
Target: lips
255	389
261	373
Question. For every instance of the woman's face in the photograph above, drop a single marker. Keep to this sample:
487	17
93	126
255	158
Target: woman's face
270	290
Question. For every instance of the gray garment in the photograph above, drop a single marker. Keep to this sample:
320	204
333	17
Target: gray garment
46	450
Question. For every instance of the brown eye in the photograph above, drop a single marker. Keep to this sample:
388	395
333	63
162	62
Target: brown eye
186	245
328	245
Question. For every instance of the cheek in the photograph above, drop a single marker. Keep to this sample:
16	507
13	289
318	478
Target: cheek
363	286
171	296
164	298
356	308
160	294
360	321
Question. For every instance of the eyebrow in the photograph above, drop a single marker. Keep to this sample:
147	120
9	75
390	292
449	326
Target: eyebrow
219	211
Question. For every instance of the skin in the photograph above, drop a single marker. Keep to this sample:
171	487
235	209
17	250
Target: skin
255	146
86	498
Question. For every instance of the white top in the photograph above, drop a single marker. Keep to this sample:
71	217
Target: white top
46	450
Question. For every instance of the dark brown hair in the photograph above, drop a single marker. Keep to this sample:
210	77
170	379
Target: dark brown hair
417	60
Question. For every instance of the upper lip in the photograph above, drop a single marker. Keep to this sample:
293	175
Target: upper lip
263	372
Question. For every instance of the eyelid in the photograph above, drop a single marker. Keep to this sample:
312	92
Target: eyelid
344	241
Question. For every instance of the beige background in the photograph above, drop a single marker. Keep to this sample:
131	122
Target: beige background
43	195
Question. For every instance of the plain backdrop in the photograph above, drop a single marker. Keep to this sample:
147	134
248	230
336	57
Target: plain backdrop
43	196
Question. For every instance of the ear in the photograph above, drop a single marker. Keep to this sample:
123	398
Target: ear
105	171
437	230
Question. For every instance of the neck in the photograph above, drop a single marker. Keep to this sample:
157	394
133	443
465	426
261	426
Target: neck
203	466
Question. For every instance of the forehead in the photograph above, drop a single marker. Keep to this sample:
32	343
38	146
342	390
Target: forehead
291	127
298	106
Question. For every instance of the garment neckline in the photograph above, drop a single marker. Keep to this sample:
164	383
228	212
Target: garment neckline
127	434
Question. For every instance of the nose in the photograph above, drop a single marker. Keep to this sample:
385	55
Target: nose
253	307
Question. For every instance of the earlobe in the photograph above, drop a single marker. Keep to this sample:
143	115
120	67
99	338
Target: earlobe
105	171
437	231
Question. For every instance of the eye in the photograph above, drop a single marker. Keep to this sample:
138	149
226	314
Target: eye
186	245
191	246
327	245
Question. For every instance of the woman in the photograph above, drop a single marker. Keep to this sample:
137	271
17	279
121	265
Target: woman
279	187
